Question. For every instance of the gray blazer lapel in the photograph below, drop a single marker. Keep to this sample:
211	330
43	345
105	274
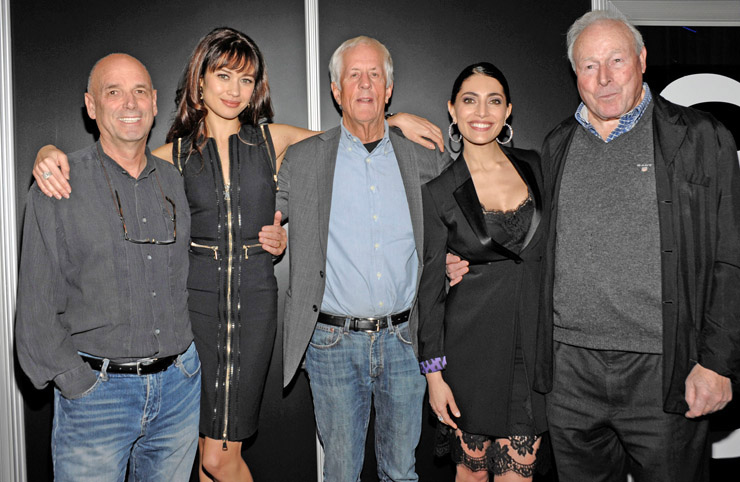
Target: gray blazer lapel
407	164
326	163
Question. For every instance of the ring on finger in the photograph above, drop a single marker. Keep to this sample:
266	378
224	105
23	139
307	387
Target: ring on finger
440	418
46	175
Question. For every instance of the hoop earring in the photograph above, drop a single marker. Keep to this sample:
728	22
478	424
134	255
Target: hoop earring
451	133
509	138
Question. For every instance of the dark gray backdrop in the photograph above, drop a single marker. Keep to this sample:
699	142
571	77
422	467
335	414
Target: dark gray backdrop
55	44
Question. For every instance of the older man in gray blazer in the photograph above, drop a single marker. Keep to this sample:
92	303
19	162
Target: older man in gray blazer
352	197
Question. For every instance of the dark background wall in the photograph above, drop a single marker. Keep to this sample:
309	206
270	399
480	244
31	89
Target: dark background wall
55	44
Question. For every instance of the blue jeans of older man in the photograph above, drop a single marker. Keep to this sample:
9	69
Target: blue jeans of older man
348	371
148	423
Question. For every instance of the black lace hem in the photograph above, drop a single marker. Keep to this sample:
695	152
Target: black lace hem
495	457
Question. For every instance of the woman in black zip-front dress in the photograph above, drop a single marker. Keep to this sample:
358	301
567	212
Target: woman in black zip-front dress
228	162
231	285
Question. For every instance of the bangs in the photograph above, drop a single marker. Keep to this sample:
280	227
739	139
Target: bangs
236	60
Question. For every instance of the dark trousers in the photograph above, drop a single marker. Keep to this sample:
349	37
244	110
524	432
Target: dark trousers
606	420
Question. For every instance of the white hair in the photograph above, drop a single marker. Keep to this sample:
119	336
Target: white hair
335	63
598	16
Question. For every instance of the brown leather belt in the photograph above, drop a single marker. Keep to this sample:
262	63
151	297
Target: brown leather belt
364	324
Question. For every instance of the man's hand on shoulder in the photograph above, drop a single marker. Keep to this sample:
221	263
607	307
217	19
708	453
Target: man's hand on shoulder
51	170
706	391
418	129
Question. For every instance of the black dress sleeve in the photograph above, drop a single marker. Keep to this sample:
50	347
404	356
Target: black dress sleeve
433	284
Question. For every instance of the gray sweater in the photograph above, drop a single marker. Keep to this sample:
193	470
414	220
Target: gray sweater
607	292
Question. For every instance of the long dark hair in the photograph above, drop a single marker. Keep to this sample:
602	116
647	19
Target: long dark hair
222	47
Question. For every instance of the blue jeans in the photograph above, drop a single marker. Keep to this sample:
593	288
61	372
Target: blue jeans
348	370
148	423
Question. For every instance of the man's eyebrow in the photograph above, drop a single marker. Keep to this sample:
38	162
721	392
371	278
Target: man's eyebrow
118	86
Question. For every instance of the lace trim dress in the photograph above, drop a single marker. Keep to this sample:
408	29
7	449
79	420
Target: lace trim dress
521	430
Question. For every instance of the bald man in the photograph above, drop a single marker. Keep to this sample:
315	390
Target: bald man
102	301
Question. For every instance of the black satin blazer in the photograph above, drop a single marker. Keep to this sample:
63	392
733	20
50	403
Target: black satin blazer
476	323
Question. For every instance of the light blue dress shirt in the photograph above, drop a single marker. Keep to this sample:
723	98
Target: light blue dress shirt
371	259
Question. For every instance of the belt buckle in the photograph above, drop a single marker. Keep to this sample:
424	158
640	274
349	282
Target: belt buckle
377	325
144	363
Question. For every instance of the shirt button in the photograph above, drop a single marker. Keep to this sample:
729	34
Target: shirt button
375	217
367	160
377	245
380	304
372	188
379	275
156	332
143	220
154	294
148	256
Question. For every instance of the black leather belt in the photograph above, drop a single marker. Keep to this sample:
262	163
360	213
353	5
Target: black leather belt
364	324
143	367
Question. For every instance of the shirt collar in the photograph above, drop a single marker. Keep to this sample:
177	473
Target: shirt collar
626	121
149	167
384	144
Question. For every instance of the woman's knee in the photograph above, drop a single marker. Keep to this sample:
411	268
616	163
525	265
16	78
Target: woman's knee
464	474
218	462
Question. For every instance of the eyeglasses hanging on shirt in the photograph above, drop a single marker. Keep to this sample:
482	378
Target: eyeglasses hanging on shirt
117	199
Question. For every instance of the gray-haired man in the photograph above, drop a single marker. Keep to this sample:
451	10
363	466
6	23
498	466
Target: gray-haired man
642	270
352	196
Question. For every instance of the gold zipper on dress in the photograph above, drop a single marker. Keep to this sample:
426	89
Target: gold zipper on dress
205	246
273	164
229	321
246	249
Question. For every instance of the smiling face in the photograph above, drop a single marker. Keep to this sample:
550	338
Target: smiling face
227	92
122	101
609	72
363	93
480	109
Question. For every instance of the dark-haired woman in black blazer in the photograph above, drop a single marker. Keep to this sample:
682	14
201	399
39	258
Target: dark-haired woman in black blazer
477	340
